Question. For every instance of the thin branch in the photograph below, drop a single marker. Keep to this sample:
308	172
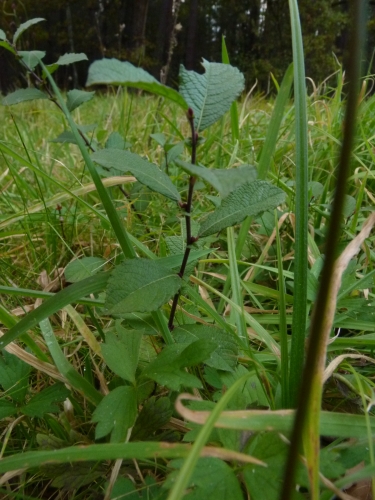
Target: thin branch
189	238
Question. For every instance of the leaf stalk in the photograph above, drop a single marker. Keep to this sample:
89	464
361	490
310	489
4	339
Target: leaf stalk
189	238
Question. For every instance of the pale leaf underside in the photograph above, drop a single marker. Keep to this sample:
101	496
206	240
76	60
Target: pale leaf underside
210	95
115	72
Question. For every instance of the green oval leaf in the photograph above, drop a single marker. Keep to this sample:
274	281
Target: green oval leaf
80	269
116	141
223	180
121	353
145	172
77	97
249	199
22	95
24	26
140	285
210	95
115	72
70	59
31	57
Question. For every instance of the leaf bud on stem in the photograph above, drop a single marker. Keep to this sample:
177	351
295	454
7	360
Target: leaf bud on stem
190	114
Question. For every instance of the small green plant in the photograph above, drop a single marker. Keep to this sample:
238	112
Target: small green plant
146	285
155	331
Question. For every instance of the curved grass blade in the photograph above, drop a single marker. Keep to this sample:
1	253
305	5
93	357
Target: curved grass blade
197	300
341	425
110	451
72	293
112	213
39	294
65	368
264	336
10	320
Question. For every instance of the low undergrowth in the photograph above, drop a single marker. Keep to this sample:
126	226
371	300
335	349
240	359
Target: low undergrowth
160	261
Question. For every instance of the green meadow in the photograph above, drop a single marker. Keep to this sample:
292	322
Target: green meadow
187	287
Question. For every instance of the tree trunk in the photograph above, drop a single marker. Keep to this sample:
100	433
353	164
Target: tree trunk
254	25
192	34
164	33
137	42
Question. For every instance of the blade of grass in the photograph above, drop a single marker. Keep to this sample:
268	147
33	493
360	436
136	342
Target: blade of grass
366	473
30	359
7	319
270	141
197	300
233	109
84	330
61	197
335	424
236	290
110	451
266	291
309	393
297	354
239	312
39	294
269	146
65	368
283	323
264	336
93	284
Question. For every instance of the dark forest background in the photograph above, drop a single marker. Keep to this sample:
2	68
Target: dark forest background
257	35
